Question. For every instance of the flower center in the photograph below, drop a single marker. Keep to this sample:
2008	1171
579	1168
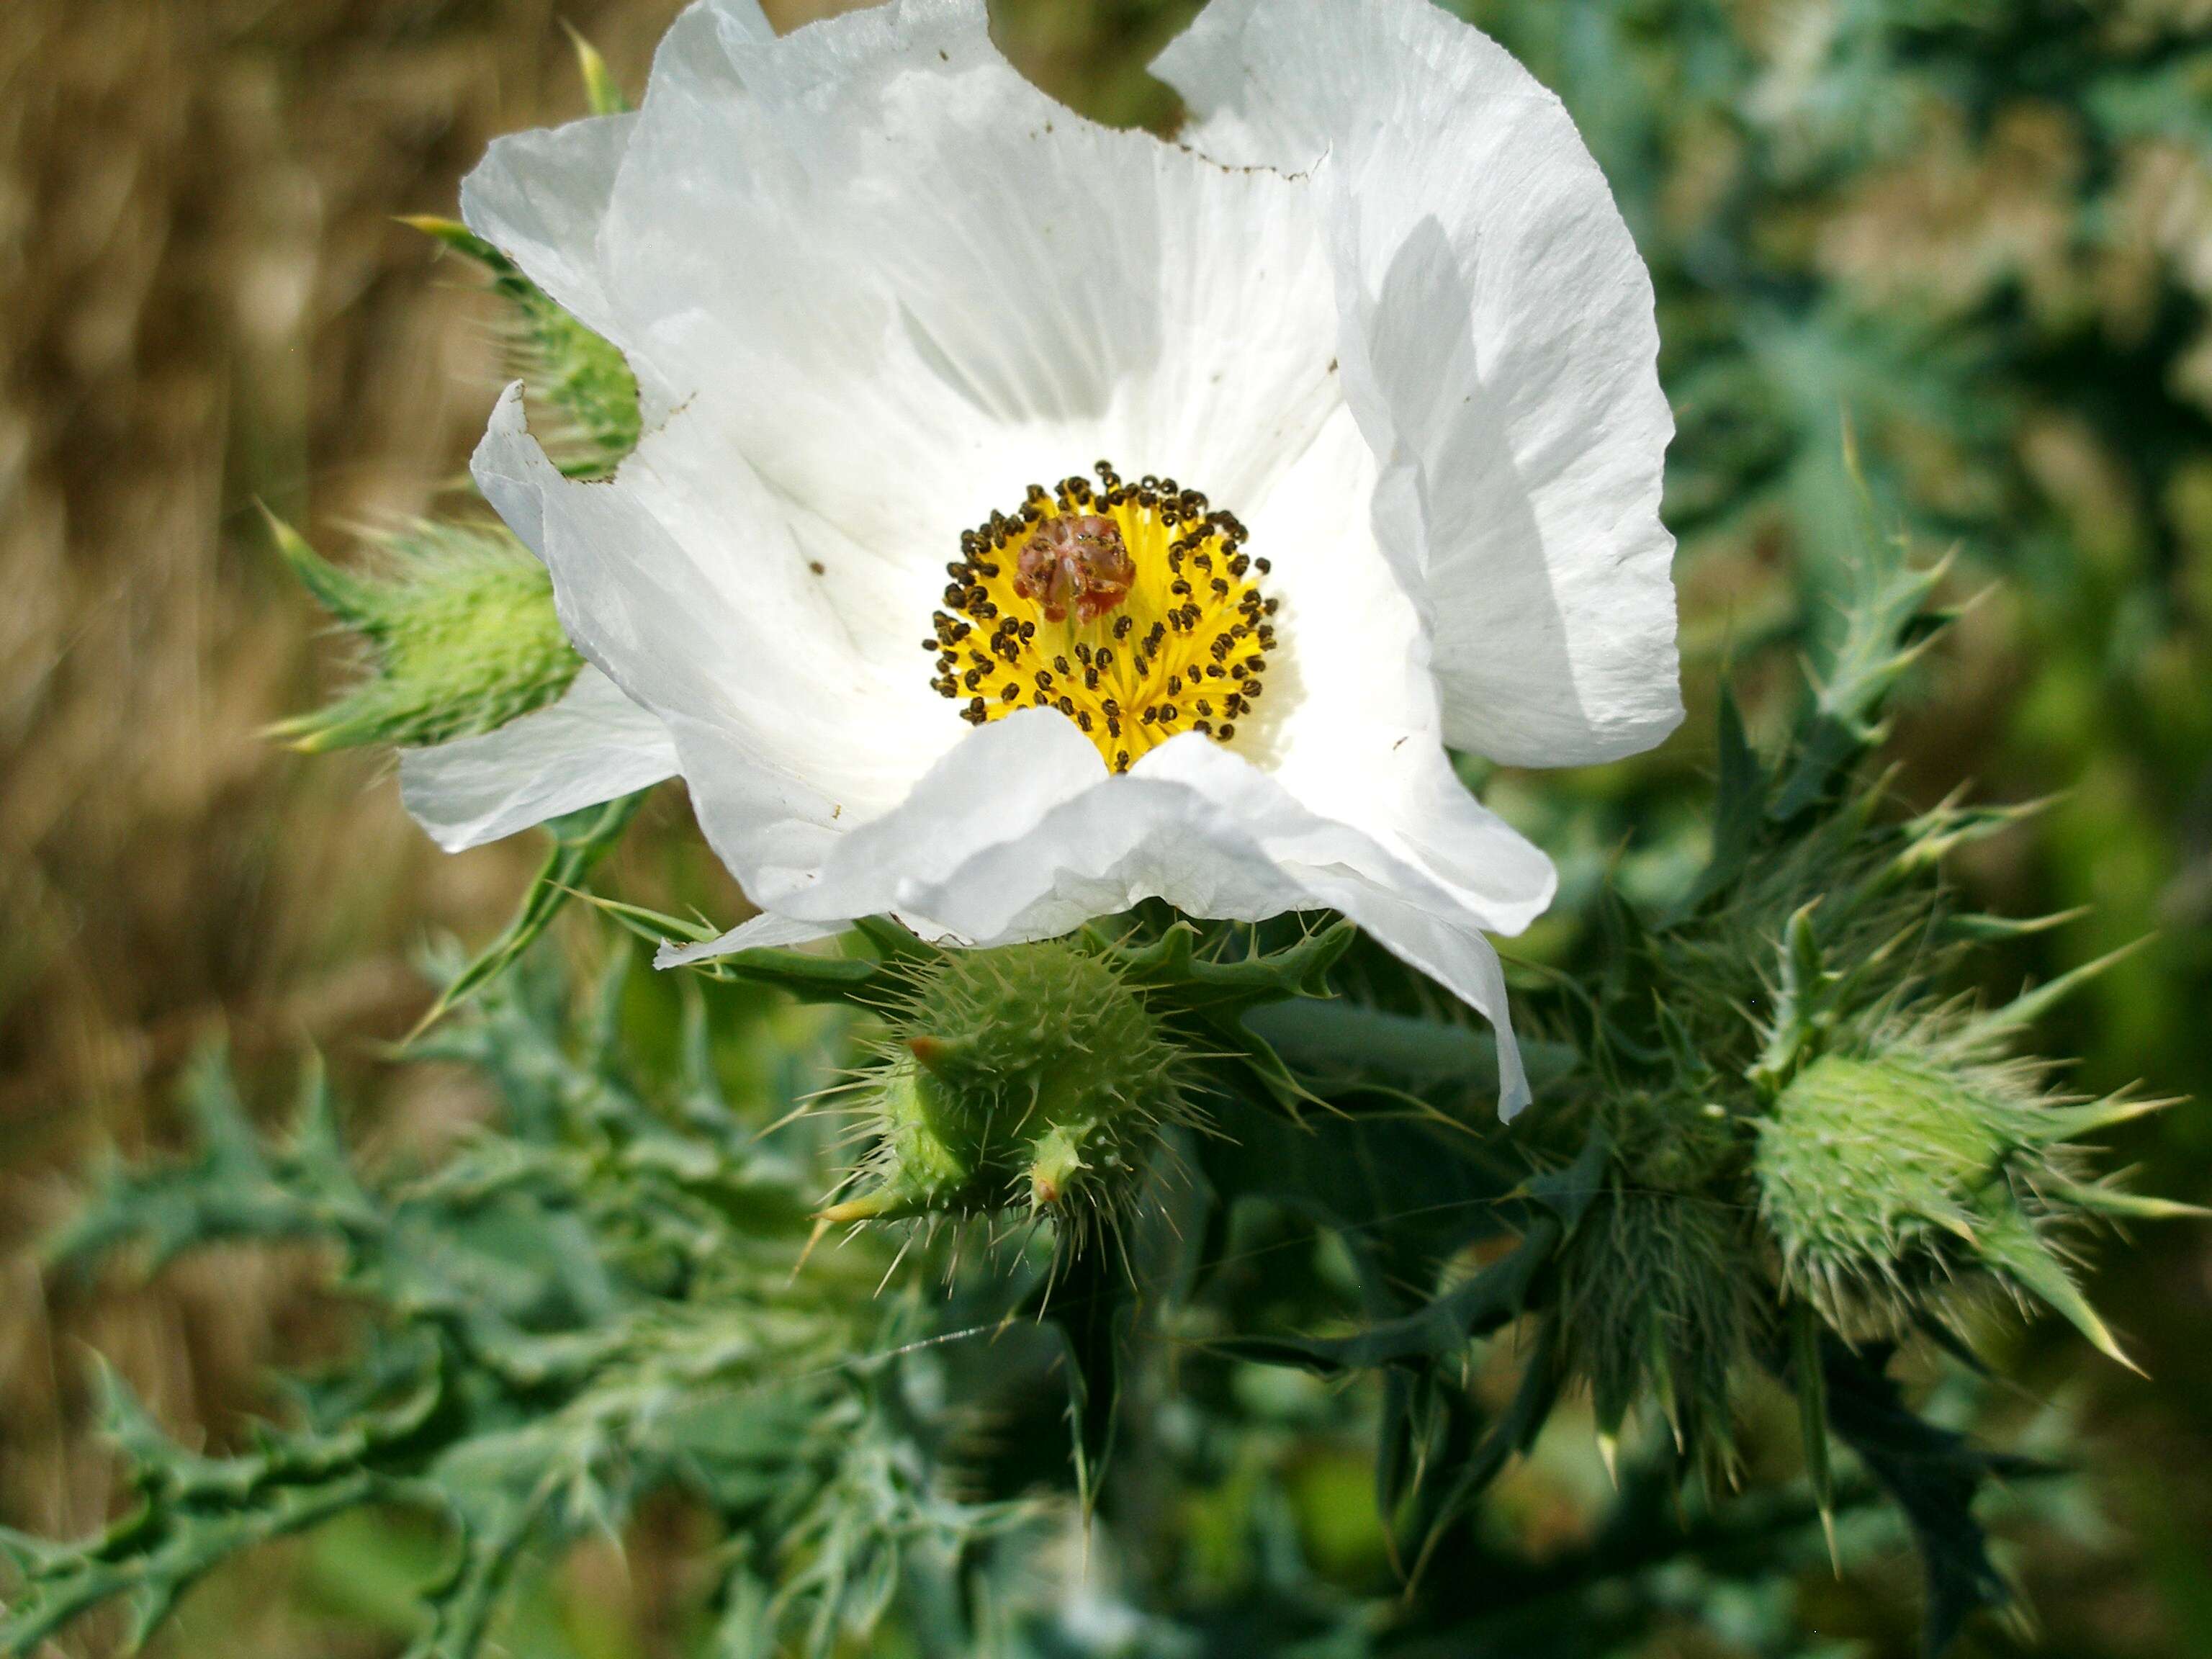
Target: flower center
1132	608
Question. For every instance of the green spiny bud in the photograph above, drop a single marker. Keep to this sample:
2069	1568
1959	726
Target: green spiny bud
460	633
1890	1182
583	396
1029	1076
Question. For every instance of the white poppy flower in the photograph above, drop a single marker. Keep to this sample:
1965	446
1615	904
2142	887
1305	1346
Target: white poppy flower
1367	357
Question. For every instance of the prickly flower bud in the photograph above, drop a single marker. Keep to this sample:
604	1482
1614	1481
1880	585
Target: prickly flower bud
582	390
1659	1287
1893	1181
461	638
1028	1075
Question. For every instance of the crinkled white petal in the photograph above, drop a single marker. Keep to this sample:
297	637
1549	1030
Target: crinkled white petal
1498	347
1021	832
901	285
591	745
1350	727
546	191
680	582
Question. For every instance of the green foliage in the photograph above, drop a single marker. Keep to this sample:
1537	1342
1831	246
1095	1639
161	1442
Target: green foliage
1932	1474
459	632
591	1303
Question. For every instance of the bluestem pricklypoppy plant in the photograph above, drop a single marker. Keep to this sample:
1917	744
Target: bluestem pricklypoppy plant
1379	305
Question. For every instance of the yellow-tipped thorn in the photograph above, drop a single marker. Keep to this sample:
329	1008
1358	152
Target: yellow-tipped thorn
866	1207
1608	1449
2101	1338
601	95
1828	1532
821	1224
2066	1299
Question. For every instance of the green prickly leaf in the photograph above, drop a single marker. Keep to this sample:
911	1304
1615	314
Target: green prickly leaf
231	1187
1397	1432
1220	988
1215	993
1514	1432
1551	1206
1739	804
1888	629
1992	1027
1809	1378
560	1315
580	841
1932	1474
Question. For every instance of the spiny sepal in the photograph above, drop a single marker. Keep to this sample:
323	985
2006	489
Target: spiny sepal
459	632
603	94
1031	1077
1210	986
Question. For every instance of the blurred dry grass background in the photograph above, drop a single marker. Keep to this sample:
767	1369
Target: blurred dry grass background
204	302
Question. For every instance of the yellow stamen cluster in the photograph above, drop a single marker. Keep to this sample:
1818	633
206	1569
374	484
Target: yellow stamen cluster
1184	651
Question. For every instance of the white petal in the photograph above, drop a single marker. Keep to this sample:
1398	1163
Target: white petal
592	745
1500	348
1020	832
902	284
761	933
539	197
1350	726
679	581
